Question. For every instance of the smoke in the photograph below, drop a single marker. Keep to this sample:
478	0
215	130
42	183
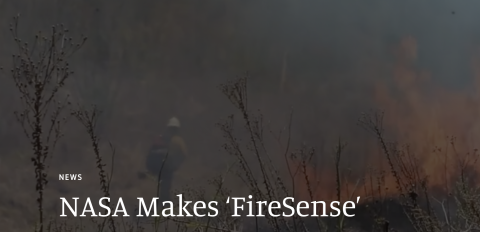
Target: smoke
146	61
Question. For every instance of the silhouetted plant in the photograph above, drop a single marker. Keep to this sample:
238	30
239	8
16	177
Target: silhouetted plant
88	118
39	72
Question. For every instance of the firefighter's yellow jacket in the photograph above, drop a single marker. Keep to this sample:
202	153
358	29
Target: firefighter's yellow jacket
177	147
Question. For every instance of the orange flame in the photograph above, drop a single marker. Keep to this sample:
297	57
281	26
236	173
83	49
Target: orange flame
418	113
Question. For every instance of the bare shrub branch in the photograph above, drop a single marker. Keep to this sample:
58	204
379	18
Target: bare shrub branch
39	72
88	118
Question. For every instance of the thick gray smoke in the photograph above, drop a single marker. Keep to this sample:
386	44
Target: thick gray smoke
146	61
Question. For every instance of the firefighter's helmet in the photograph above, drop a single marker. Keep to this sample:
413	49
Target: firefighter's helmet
173	122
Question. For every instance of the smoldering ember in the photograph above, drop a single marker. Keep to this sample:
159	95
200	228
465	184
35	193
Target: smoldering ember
273	208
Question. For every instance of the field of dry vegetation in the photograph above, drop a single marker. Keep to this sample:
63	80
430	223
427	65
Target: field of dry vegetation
93	104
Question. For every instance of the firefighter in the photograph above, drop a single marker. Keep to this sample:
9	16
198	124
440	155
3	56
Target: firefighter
175	157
